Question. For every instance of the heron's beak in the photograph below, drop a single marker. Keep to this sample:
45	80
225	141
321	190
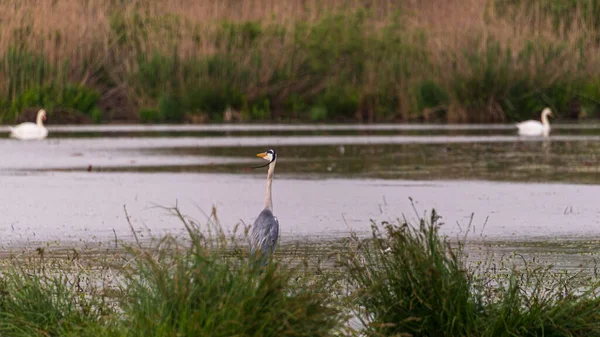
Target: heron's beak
263	155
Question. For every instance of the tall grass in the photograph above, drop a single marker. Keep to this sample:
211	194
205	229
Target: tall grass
412	281
53	299
193	291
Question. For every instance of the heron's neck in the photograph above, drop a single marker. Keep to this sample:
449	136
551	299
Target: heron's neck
38	120
268	200
545	120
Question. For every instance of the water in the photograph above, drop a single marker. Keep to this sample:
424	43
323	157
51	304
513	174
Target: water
72	187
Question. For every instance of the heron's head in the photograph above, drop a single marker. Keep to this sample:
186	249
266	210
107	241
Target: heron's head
269	155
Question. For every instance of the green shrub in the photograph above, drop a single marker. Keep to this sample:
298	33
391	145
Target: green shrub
294	106
340	103
260	109
318	113
191	87
212	100
150	115
156	75
170	108
97	115
431	95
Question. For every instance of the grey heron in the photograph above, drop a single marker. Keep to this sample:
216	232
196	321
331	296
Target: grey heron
265	230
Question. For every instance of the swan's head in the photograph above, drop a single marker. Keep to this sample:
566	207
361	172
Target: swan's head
42	114
269	155
547	112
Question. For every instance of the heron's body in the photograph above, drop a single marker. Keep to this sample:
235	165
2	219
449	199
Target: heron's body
535	128
265	230
265	233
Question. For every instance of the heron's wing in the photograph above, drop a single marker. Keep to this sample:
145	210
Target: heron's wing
274	233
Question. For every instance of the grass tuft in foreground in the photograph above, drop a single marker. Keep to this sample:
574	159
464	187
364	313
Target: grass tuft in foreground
36	302
410	281
204	288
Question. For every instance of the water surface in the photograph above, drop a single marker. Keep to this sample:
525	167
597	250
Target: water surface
330	179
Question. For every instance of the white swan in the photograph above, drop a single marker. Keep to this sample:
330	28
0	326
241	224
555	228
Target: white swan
535	128
30	130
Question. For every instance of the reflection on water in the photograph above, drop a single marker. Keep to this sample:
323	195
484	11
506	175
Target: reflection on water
221	130
397	151
572	161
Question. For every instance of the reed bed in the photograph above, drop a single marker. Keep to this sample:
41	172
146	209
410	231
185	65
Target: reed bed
296	60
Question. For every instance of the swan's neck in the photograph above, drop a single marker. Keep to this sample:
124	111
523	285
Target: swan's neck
268	199
545	122
39	121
